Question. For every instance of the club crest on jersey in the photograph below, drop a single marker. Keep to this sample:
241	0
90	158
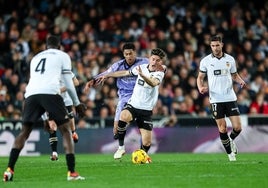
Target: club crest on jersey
228	64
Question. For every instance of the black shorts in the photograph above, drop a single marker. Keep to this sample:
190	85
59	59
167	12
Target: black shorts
143	118
70	111
36	105
224	109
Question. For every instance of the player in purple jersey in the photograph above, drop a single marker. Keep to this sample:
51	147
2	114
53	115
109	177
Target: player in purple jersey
125	85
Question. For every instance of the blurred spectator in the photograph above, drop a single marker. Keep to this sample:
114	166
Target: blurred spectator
93	36
259	105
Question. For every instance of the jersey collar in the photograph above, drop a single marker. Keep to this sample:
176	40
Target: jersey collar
212	55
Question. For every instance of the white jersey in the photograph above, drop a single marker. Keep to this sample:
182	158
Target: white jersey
47	68
145	96
219	77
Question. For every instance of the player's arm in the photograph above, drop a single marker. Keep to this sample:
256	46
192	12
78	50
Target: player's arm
116	74
80	108
68	82
236	77
96	80
152	81
200	83
75	81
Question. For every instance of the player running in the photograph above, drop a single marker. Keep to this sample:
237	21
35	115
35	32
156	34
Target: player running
125	85
143	99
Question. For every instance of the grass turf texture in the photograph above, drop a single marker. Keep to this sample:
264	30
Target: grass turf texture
167	170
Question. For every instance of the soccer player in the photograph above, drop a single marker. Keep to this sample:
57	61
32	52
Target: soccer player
42	95
53	139
125	85
143	99
220	69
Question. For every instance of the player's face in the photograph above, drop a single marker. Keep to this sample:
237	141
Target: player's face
216	47
155	61
130	56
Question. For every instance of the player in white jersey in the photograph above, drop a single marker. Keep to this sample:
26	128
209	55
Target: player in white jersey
142	100
220	69
43	95
53	139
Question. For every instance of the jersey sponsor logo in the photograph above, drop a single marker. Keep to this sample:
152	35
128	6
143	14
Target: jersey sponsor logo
217	72
221	72
141	82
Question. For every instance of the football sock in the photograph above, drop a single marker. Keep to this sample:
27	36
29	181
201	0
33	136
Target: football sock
53	140
14	154
234	134
70	160
145	148
121	129
225	142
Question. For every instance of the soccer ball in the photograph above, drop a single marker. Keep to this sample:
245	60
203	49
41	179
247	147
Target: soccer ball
139	156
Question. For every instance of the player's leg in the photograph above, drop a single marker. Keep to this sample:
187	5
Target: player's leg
51	127
237	128
53	141
219	111
73	127
145	124
225	140
32	112
125	118
120	106
57	111
234	116
115	130
146	139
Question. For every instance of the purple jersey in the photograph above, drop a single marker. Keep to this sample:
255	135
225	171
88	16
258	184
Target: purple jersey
125	84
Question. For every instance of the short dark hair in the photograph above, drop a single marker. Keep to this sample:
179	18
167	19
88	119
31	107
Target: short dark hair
159	52
216	38
53	41
129	46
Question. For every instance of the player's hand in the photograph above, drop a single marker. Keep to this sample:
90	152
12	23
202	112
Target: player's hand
203	90
92	83
80	110
89	84
161	68
243	84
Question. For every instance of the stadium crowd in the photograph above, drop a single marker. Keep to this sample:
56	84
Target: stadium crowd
93	32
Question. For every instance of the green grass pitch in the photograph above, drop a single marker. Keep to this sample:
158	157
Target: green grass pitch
171	170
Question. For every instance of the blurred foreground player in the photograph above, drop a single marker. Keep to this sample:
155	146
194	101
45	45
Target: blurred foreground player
43	95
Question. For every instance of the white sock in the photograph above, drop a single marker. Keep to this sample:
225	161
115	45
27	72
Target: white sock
121	147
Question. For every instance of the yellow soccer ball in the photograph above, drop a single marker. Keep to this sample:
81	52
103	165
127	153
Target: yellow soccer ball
139	156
